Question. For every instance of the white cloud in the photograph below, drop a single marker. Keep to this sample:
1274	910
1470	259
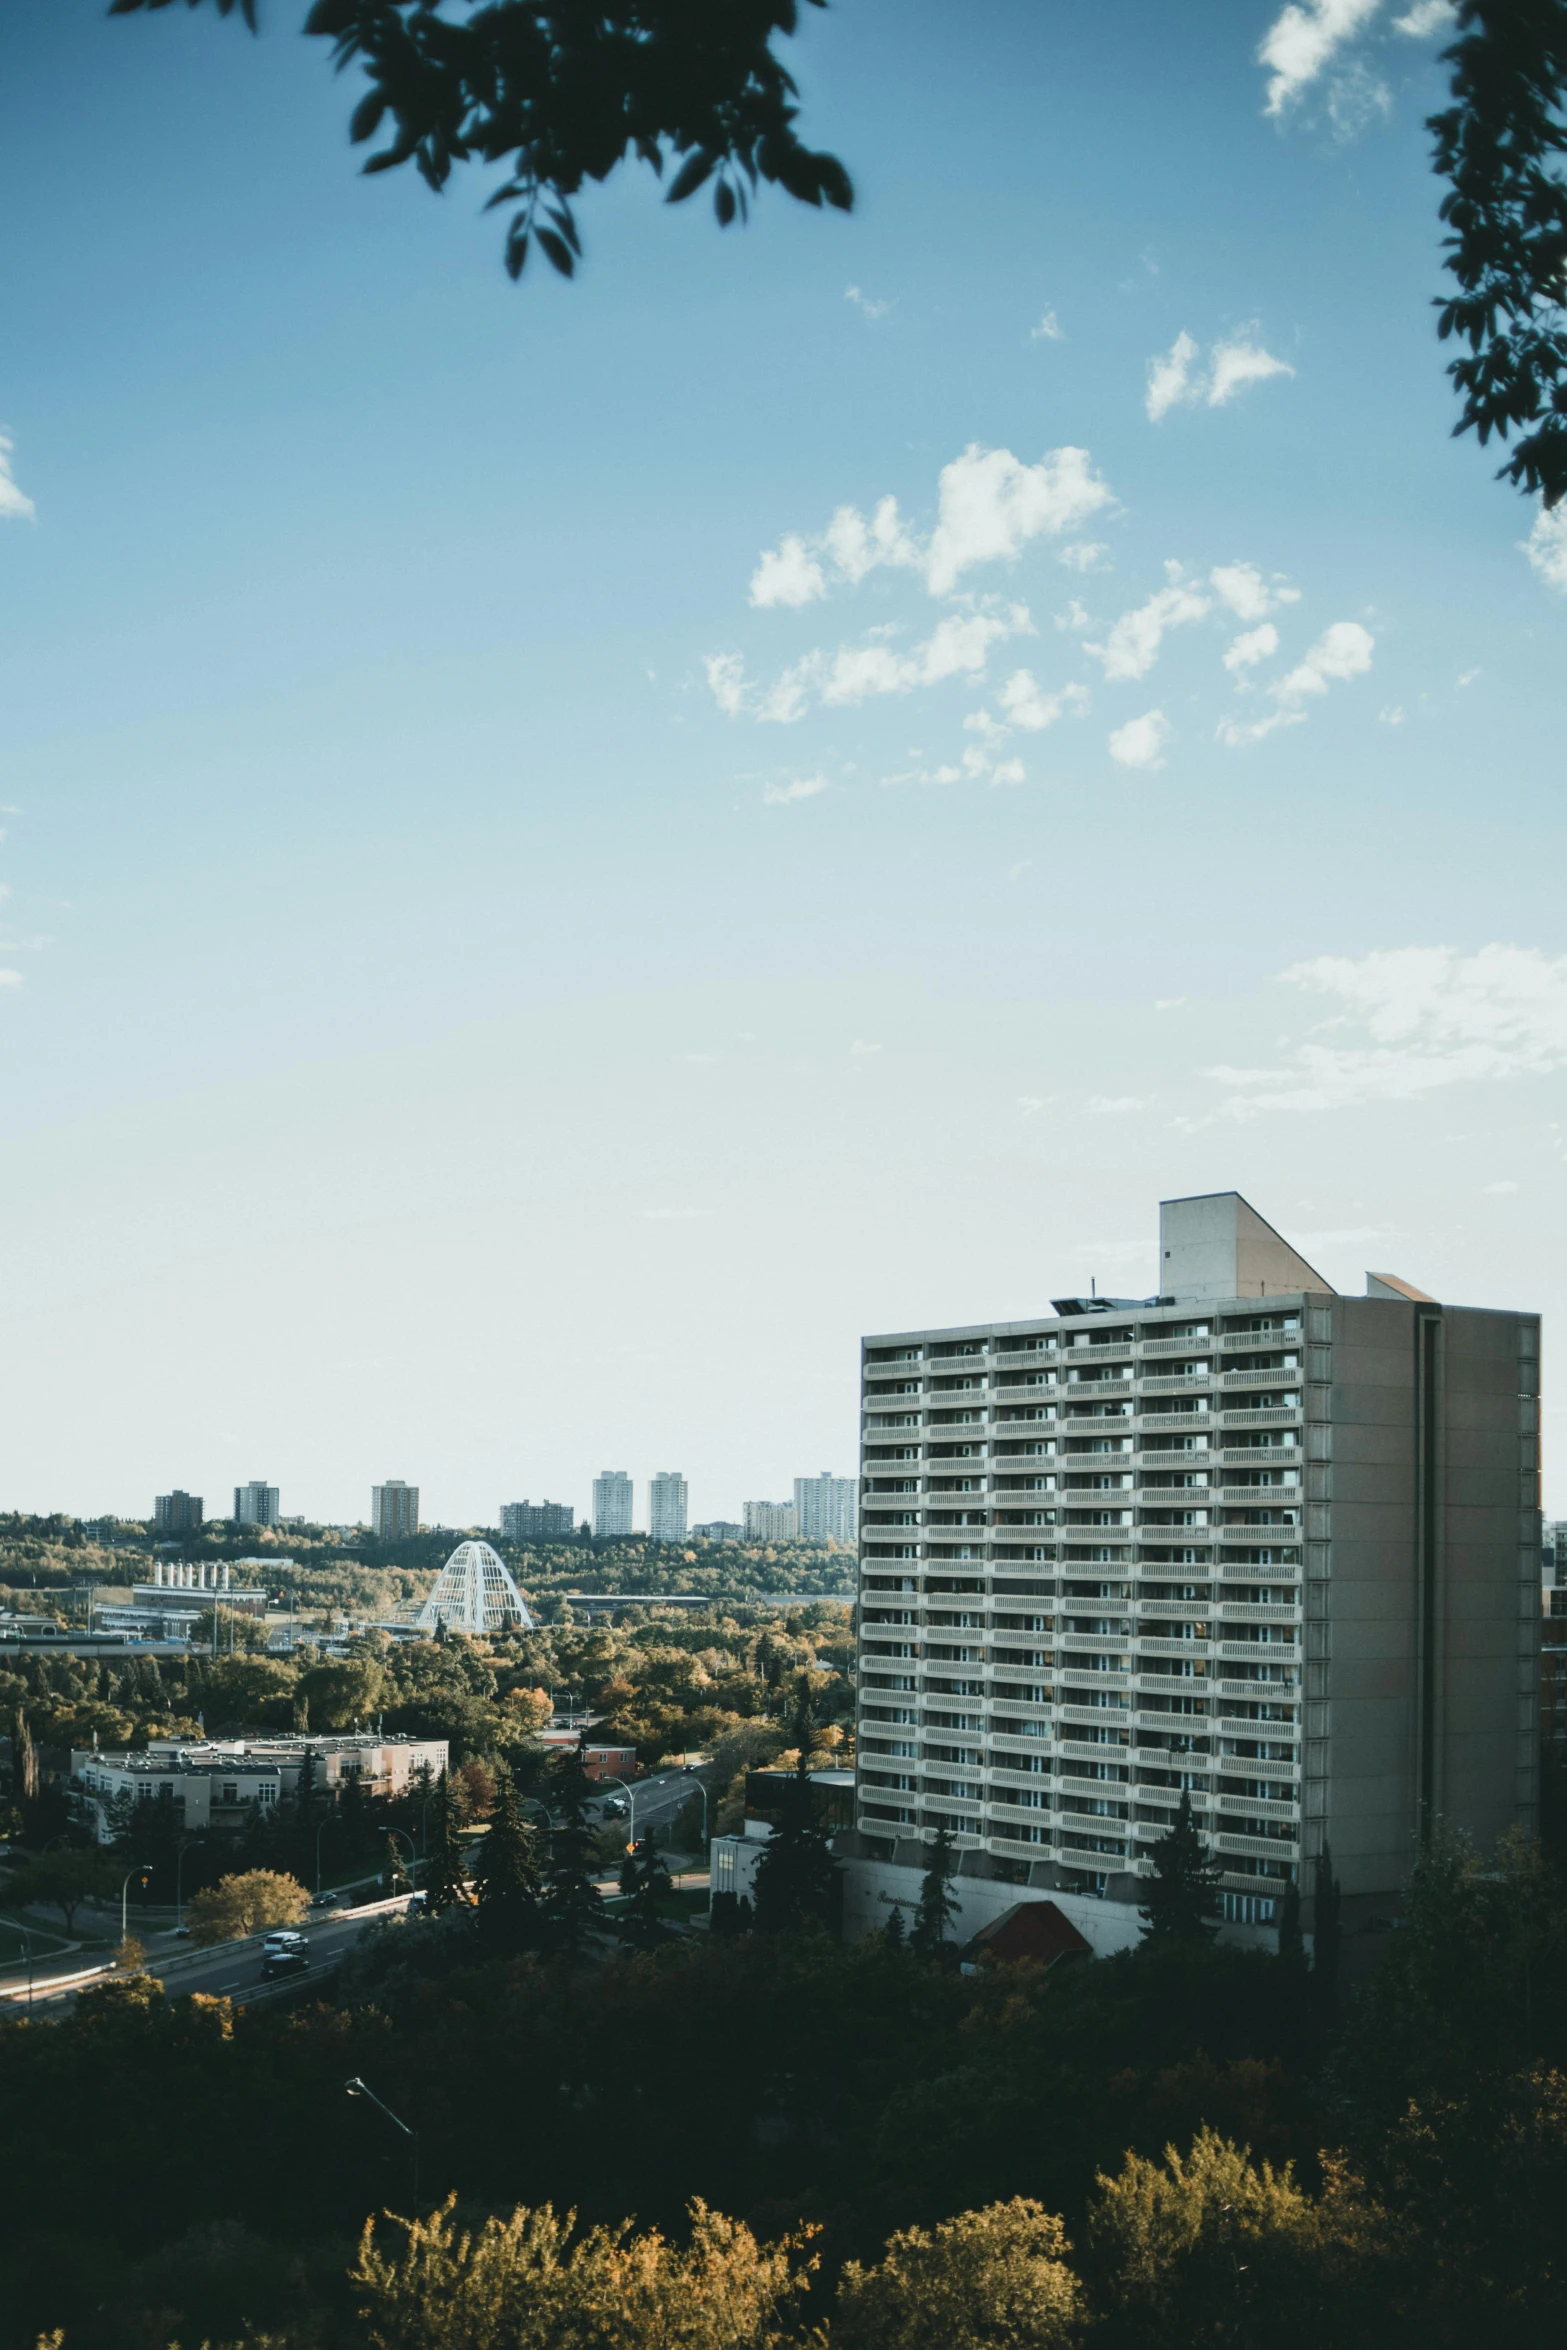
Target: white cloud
1027	706
990	505
673	1215
1251	646
1303	40
1409	1020
1248	595
1239	363
804	787
14	507
1031	1103
864	303
1132	646
862	1050
10	978
1546	546
1076	615
1009	771
1116	1105
1426	16
1466	677
1169	1003
1499	1188
1017	871
1393	715
1049	330
1356	99
1085	555
1175	380
1140	742
787	574
1169	378
1342	651
958	646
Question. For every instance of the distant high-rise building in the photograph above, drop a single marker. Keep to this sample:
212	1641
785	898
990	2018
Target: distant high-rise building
394	1510
719	1530
666	1507
770	1521
544	1521
611	1504
824	1508
178	1513
255	1504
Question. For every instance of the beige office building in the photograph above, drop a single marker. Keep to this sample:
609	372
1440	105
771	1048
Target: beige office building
1250	1539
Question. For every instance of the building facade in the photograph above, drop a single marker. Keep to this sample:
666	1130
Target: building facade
221	1784
611	1504
666	1507
1249	1540
825	1508
178	1513
719	1530
255	1504
770	1521
544	1521
394	1510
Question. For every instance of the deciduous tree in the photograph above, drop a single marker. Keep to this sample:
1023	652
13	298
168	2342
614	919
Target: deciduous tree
245	1904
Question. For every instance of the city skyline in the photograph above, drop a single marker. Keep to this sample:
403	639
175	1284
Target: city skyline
956	785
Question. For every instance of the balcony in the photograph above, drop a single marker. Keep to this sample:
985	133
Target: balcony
1274	1378
1247	1611
1183	1384
1274	1416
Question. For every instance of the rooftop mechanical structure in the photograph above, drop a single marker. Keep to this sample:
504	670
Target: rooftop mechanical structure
474	1593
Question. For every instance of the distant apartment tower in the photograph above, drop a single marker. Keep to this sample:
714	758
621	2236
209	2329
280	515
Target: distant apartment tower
394	1510
178	1513
543	1521
719	1530
824	1508
666	1507
1248	1540
255	1505
770	1521
611	1504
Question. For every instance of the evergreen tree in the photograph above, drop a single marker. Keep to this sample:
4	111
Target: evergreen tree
936	1906
646	1879
445	1882
353	1816
506	1875
1183	1891
1292	1943
396	1874
724	1921
1325	1929
572	1906
796	1877
893	1933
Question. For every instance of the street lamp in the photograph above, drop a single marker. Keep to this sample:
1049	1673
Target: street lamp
143	1871
179	1879
358	2088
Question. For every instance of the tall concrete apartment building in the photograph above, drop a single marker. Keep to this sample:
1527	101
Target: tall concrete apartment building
1250	1539
541	1521
770	1521
178	1513
255	1504
825	1508
394	1510
666	1507
611	1504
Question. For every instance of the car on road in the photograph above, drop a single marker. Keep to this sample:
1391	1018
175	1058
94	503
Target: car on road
284	1953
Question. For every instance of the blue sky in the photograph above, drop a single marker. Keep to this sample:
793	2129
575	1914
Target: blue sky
528	942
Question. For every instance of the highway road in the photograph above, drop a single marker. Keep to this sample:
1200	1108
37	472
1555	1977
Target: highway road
231	1970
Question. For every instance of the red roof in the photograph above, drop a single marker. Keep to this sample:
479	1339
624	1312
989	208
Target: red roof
1034	1930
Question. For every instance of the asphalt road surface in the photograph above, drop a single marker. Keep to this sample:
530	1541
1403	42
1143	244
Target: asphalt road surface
232	1970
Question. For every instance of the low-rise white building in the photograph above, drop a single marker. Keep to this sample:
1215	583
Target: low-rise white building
219	1783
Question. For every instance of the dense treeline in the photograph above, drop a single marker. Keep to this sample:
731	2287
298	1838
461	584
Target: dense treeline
190	2172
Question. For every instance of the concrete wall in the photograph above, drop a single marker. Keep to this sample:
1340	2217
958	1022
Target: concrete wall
1422	1612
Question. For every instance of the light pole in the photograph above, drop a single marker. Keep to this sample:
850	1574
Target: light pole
357	2088
143	1871
179	1879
